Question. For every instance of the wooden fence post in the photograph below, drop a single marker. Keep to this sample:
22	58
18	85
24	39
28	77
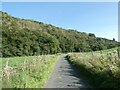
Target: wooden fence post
118	53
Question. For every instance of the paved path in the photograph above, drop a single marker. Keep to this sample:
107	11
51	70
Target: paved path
65	75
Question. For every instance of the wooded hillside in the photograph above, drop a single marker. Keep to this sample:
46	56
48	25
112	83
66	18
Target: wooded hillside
22	37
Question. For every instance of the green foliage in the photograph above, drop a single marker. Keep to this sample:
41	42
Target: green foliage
27	37
27	72
91	34
100	68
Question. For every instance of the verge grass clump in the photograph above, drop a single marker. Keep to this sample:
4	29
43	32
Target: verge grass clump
101	69
27	72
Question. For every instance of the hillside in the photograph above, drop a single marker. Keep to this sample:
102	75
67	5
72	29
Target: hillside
22	37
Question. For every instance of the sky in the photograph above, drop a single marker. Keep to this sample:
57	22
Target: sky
100	18
60	0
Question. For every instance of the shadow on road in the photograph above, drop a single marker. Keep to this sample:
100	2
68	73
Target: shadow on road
66	75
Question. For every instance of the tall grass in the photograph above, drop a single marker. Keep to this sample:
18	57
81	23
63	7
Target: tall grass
27	72
101	69
0	73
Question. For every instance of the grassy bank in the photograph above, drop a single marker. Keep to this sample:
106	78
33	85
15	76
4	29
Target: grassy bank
27	72
101	68
0	73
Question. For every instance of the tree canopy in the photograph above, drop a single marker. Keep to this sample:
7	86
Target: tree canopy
22	37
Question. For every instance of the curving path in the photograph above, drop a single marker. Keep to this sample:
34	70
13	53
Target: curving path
66	75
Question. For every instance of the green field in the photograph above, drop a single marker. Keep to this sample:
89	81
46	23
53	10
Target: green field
100	68
27	72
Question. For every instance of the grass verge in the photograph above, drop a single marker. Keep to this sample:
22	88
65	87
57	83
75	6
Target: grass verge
100	69
27	72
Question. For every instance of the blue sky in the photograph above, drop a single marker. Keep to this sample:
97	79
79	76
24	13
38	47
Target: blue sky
89	17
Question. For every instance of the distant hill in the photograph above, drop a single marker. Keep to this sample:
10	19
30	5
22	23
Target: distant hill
28	37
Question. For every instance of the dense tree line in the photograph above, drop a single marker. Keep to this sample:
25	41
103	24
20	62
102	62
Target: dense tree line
27	37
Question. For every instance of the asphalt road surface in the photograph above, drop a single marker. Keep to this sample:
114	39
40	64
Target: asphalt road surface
66	75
